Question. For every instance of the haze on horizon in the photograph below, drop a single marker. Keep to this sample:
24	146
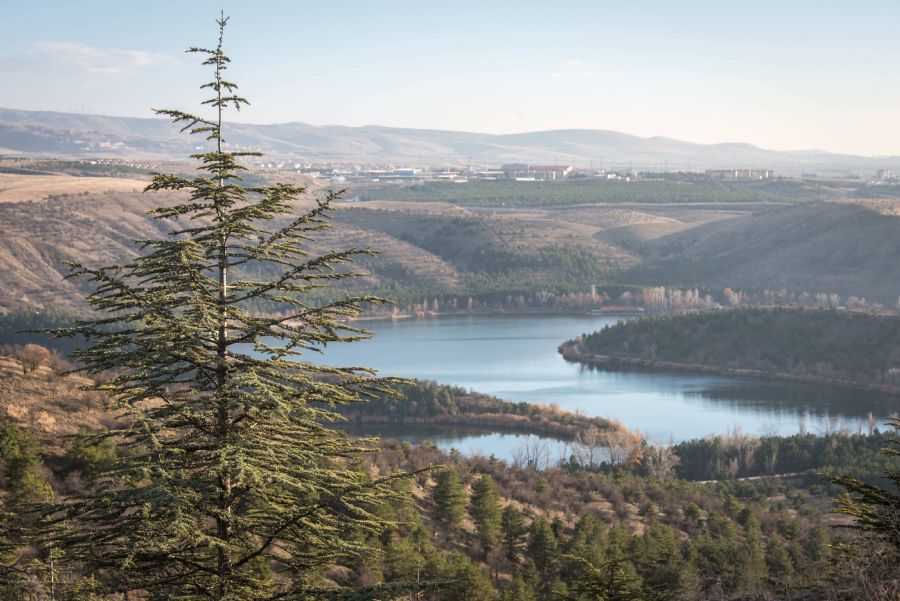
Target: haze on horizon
806	75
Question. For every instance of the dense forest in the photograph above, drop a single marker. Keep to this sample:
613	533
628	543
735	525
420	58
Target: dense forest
735	455
837	346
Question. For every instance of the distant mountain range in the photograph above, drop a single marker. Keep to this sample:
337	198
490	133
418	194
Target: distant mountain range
75	135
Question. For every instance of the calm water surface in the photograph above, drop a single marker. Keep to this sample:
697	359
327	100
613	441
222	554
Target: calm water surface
470	441
515	358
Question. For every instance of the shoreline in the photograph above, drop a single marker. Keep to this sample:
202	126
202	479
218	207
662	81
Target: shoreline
570	352
471	423
543	421
494	313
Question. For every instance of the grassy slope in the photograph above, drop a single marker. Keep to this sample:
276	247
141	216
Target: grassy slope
428	250
431	249
843	248
50	405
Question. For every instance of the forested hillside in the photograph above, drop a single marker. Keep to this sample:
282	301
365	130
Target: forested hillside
849	249
424	254
546	259
858	348
485	529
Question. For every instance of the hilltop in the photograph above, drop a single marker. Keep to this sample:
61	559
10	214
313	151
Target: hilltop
72	134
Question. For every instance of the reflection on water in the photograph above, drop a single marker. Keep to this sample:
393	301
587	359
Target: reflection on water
796	397
468	441
775	397
515	358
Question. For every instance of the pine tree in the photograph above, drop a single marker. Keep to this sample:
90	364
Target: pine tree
484	507
613	581
466	581
657	556
781	570
876	510
24	490
518	590
513	525
543	549
230	472
449	497
21	464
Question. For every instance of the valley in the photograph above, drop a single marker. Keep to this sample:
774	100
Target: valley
495	256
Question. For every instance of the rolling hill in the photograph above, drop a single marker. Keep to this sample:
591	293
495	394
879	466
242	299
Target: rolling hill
845	248
432	250
70	134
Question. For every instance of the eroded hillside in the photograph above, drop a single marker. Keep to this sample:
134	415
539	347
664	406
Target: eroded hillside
435	250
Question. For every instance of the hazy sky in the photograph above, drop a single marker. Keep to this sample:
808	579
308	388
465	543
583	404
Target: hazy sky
786	75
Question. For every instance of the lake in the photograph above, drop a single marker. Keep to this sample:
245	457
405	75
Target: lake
515	358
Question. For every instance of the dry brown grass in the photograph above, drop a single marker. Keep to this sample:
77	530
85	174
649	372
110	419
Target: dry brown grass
883	206
421	208
27	188
51	406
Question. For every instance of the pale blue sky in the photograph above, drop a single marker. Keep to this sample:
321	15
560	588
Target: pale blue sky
785	75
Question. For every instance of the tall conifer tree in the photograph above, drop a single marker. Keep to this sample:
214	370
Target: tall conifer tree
232	486
449	497
484	507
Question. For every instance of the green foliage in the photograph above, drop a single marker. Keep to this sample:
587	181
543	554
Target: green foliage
592	190
23	324
484	507
467	582
449	497
84	167
229	472
24	489
657	554
512	524
876	509
23	479
85	589
518	590
826	344
778	562
92	455
612	581
745	456
543	550
429	402
409	553
721	551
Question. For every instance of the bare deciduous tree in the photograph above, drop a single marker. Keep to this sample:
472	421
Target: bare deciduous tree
32	356
661	461
591	448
